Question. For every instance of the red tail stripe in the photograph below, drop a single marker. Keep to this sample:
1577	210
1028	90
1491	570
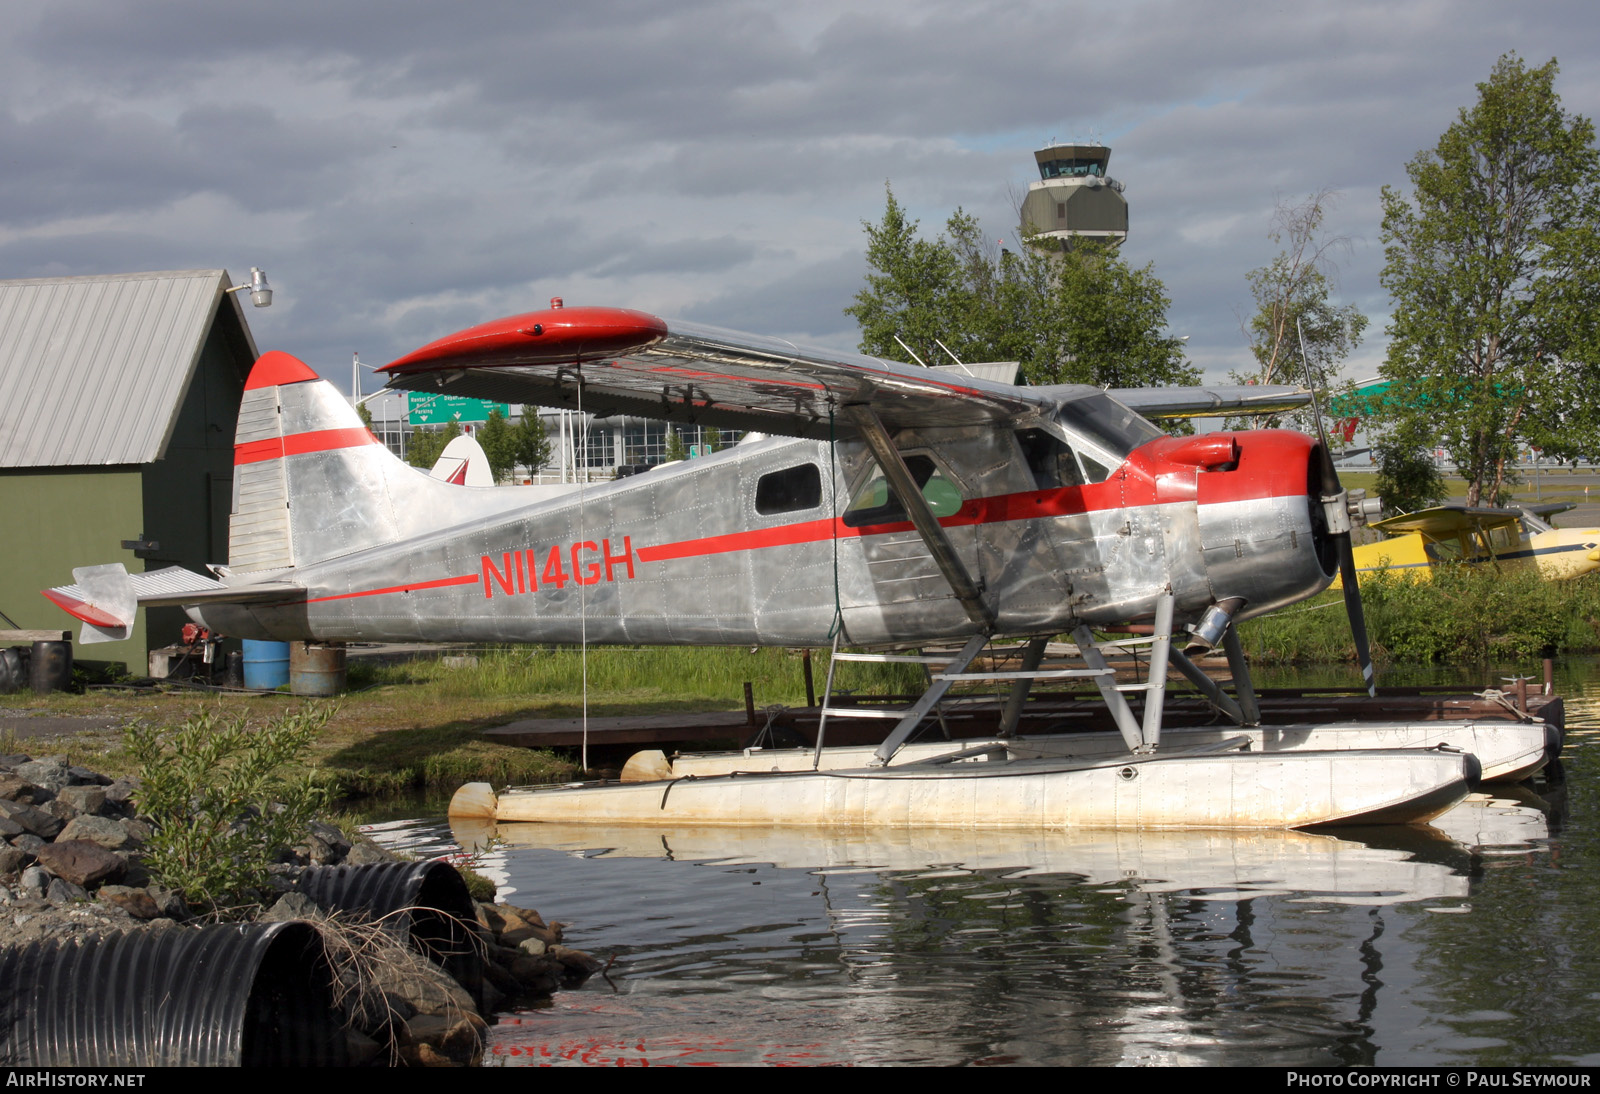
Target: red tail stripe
320	440
82	610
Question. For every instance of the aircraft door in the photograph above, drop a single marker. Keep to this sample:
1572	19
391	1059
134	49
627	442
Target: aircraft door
892	584
1029	566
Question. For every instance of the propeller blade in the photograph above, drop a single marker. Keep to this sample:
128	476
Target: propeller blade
1331	486
1358	617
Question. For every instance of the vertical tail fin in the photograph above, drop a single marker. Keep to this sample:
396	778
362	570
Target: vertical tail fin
464	463
299	446
311	482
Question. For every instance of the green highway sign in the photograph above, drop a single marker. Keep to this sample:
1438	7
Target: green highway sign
425	409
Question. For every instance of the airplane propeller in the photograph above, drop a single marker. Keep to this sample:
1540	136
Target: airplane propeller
1339	530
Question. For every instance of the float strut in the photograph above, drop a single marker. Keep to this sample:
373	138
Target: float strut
1011	714
1106	680
1241	678
1208	687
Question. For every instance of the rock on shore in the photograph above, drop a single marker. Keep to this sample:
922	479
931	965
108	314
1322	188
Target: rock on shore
70	865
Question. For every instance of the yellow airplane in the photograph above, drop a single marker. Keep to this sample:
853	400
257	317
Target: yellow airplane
1458	533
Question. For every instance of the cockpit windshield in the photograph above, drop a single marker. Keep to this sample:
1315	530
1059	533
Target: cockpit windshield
1108	424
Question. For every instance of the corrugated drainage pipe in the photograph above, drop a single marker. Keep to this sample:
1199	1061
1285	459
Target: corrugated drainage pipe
426	903
247	995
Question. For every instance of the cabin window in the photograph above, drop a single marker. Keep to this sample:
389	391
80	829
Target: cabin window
1503	539
789	490
876	503
1050	461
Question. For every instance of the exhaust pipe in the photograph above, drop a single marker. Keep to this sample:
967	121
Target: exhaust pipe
1213	625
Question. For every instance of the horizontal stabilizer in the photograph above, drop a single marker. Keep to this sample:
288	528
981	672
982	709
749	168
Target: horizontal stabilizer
106	598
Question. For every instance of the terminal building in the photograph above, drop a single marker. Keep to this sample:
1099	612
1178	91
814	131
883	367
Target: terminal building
1074	198
582	447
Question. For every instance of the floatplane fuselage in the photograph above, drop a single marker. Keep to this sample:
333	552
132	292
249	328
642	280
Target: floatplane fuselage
904	506
774	539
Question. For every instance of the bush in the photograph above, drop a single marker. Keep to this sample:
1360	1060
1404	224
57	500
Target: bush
1477	614
222	803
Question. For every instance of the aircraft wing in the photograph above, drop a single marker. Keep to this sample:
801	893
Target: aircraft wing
1448	520
1212	402
639	364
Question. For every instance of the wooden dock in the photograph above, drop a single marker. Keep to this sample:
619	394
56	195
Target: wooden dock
1049	713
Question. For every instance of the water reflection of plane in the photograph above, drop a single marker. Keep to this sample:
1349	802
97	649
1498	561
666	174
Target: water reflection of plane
1377	866
1506	822
1131	946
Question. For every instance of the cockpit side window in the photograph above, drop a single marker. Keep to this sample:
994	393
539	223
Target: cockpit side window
1503	539
1050	460
876	502
1094	470
1443	550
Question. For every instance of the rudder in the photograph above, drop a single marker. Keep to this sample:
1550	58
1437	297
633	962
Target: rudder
312	483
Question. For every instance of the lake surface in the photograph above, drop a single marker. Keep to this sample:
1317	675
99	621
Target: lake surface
1473	941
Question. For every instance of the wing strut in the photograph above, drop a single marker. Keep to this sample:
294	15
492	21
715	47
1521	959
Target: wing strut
928	527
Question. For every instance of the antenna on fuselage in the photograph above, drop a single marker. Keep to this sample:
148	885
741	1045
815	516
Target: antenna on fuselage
959	362
911	351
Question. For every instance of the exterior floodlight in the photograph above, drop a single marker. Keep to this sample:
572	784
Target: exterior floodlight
260	291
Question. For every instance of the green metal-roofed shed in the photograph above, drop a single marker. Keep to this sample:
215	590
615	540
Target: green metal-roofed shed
118	399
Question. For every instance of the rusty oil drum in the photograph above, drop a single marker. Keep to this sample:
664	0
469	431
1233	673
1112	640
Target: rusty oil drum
50	668
316	669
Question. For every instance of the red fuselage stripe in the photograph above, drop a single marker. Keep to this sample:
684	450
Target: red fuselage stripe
1030	505
469	579
1278	469
295	444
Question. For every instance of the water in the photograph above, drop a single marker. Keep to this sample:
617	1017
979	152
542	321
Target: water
1473	941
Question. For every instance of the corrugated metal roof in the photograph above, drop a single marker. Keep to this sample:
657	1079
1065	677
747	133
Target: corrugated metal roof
93	370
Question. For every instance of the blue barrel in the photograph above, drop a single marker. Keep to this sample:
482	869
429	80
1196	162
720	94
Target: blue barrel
266	665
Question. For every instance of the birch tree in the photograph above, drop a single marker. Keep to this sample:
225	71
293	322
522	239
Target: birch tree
1492	262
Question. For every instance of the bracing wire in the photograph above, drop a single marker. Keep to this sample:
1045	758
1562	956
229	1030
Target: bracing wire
583	615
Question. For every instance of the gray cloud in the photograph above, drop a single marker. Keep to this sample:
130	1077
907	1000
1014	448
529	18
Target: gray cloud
807	303
406	170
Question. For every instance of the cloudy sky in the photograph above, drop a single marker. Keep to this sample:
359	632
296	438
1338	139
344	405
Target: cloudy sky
404	169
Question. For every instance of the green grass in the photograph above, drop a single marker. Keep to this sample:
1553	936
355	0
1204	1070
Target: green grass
418	725
634	680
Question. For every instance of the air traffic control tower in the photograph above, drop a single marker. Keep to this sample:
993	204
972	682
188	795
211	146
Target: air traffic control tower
1074	197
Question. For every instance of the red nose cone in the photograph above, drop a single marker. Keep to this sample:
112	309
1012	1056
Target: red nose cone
553	336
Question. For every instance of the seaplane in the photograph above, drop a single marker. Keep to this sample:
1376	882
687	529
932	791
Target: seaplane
870	504
1505	537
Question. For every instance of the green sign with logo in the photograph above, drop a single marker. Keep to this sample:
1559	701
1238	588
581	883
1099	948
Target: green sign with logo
425	409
